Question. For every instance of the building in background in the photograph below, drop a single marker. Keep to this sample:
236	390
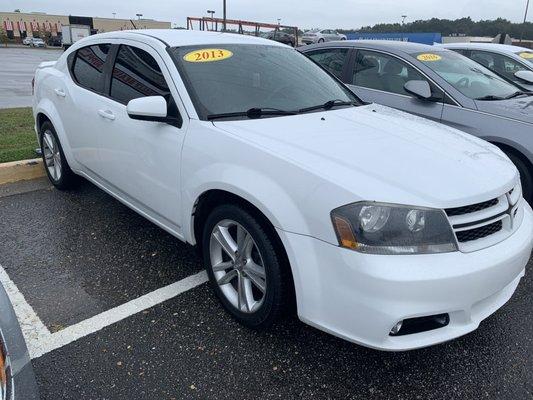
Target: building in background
20	25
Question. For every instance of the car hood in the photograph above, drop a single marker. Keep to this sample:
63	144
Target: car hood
520	108
379	153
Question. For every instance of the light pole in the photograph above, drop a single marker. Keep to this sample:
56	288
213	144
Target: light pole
524	25
139	16
212	22
114	15
403	24
279	21
224	15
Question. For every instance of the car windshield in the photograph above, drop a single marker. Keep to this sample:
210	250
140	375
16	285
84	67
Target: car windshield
234	78
526	56
467	76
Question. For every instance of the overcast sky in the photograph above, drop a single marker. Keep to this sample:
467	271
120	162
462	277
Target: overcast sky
302	13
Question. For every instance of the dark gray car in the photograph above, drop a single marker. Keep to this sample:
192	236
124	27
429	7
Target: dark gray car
439	84
17	381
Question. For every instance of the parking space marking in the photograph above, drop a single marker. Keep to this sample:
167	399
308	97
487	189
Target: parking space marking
34	330
41	341
109	317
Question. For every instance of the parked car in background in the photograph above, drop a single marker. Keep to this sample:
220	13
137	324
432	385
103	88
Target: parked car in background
281	37
37	42
415	233
513	63
55	41
321	35
26	41
17	380
441	85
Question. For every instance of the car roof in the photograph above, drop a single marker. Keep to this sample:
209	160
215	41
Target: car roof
507	48
387	45
182	37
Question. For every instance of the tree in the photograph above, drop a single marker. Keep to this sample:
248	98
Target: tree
464	26
3	36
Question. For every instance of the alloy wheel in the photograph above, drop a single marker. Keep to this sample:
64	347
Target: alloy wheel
237	266
52	155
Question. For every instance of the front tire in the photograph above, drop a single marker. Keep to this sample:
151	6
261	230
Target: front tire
245	269
55	163
525	176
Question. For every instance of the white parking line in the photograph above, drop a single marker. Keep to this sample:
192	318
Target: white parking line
39	339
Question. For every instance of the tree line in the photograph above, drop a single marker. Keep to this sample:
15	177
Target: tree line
463	26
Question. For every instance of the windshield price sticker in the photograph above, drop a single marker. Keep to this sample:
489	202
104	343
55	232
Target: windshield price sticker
527	55
207	55
429	57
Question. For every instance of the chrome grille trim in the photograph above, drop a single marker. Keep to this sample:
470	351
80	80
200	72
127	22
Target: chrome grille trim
484	224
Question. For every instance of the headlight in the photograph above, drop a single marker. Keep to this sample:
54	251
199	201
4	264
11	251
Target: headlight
378	228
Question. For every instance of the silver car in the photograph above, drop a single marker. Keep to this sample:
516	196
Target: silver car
439	84
321	36
512	63
17	380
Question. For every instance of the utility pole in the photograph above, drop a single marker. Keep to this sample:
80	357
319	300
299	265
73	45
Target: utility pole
524	25
224	16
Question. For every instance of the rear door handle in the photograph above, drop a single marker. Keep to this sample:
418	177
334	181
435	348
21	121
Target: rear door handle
106	114
60	92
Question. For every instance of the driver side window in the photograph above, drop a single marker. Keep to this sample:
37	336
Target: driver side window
380	71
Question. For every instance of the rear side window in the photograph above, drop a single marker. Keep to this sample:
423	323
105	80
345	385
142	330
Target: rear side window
331	59
136	74
88	66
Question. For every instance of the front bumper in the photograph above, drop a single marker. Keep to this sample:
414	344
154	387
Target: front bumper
360	297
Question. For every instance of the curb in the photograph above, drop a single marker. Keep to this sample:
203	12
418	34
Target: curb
21	170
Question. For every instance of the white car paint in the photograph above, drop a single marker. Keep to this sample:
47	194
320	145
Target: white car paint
296	170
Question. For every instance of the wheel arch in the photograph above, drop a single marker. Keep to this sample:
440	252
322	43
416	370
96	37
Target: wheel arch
212	198
515	149
46	111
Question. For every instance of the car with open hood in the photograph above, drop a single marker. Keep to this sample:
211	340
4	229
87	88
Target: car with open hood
441	85
377	226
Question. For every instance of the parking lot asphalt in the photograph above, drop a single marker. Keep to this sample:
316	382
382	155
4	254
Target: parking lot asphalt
75	254
17	68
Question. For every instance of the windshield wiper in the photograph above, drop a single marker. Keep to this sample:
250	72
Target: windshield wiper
252	113
490	97
328	105
518	93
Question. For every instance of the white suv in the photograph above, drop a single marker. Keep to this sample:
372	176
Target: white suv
377	226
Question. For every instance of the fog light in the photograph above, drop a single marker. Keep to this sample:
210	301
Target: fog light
396	328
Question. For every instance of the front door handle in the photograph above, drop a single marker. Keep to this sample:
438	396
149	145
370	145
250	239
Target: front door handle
107	114
60	92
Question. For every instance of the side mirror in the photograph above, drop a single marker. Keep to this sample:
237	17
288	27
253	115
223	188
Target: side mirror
150	108
420	89
526	76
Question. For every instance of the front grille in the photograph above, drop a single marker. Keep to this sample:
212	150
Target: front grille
478	233
452	212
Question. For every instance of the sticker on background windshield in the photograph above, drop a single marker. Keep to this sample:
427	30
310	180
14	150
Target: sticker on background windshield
429	57
207	55
526	55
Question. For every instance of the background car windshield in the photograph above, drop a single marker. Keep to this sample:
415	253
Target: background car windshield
254	76
527	56
467	76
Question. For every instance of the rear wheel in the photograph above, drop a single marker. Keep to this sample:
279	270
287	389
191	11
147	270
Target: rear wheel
245	269
321	40
57	168
525	175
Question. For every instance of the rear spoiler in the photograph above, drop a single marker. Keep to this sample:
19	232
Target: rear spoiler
46	64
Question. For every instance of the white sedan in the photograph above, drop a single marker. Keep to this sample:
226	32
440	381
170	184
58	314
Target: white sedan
513	63
321	36
377	226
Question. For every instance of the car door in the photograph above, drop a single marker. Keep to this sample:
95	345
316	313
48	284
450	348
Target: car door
77	100
380	78
333	59
141	159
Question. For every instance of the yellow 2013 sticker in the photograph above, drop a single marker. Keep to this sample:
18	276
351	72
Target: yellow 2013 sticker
207	55
429	57
526	54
